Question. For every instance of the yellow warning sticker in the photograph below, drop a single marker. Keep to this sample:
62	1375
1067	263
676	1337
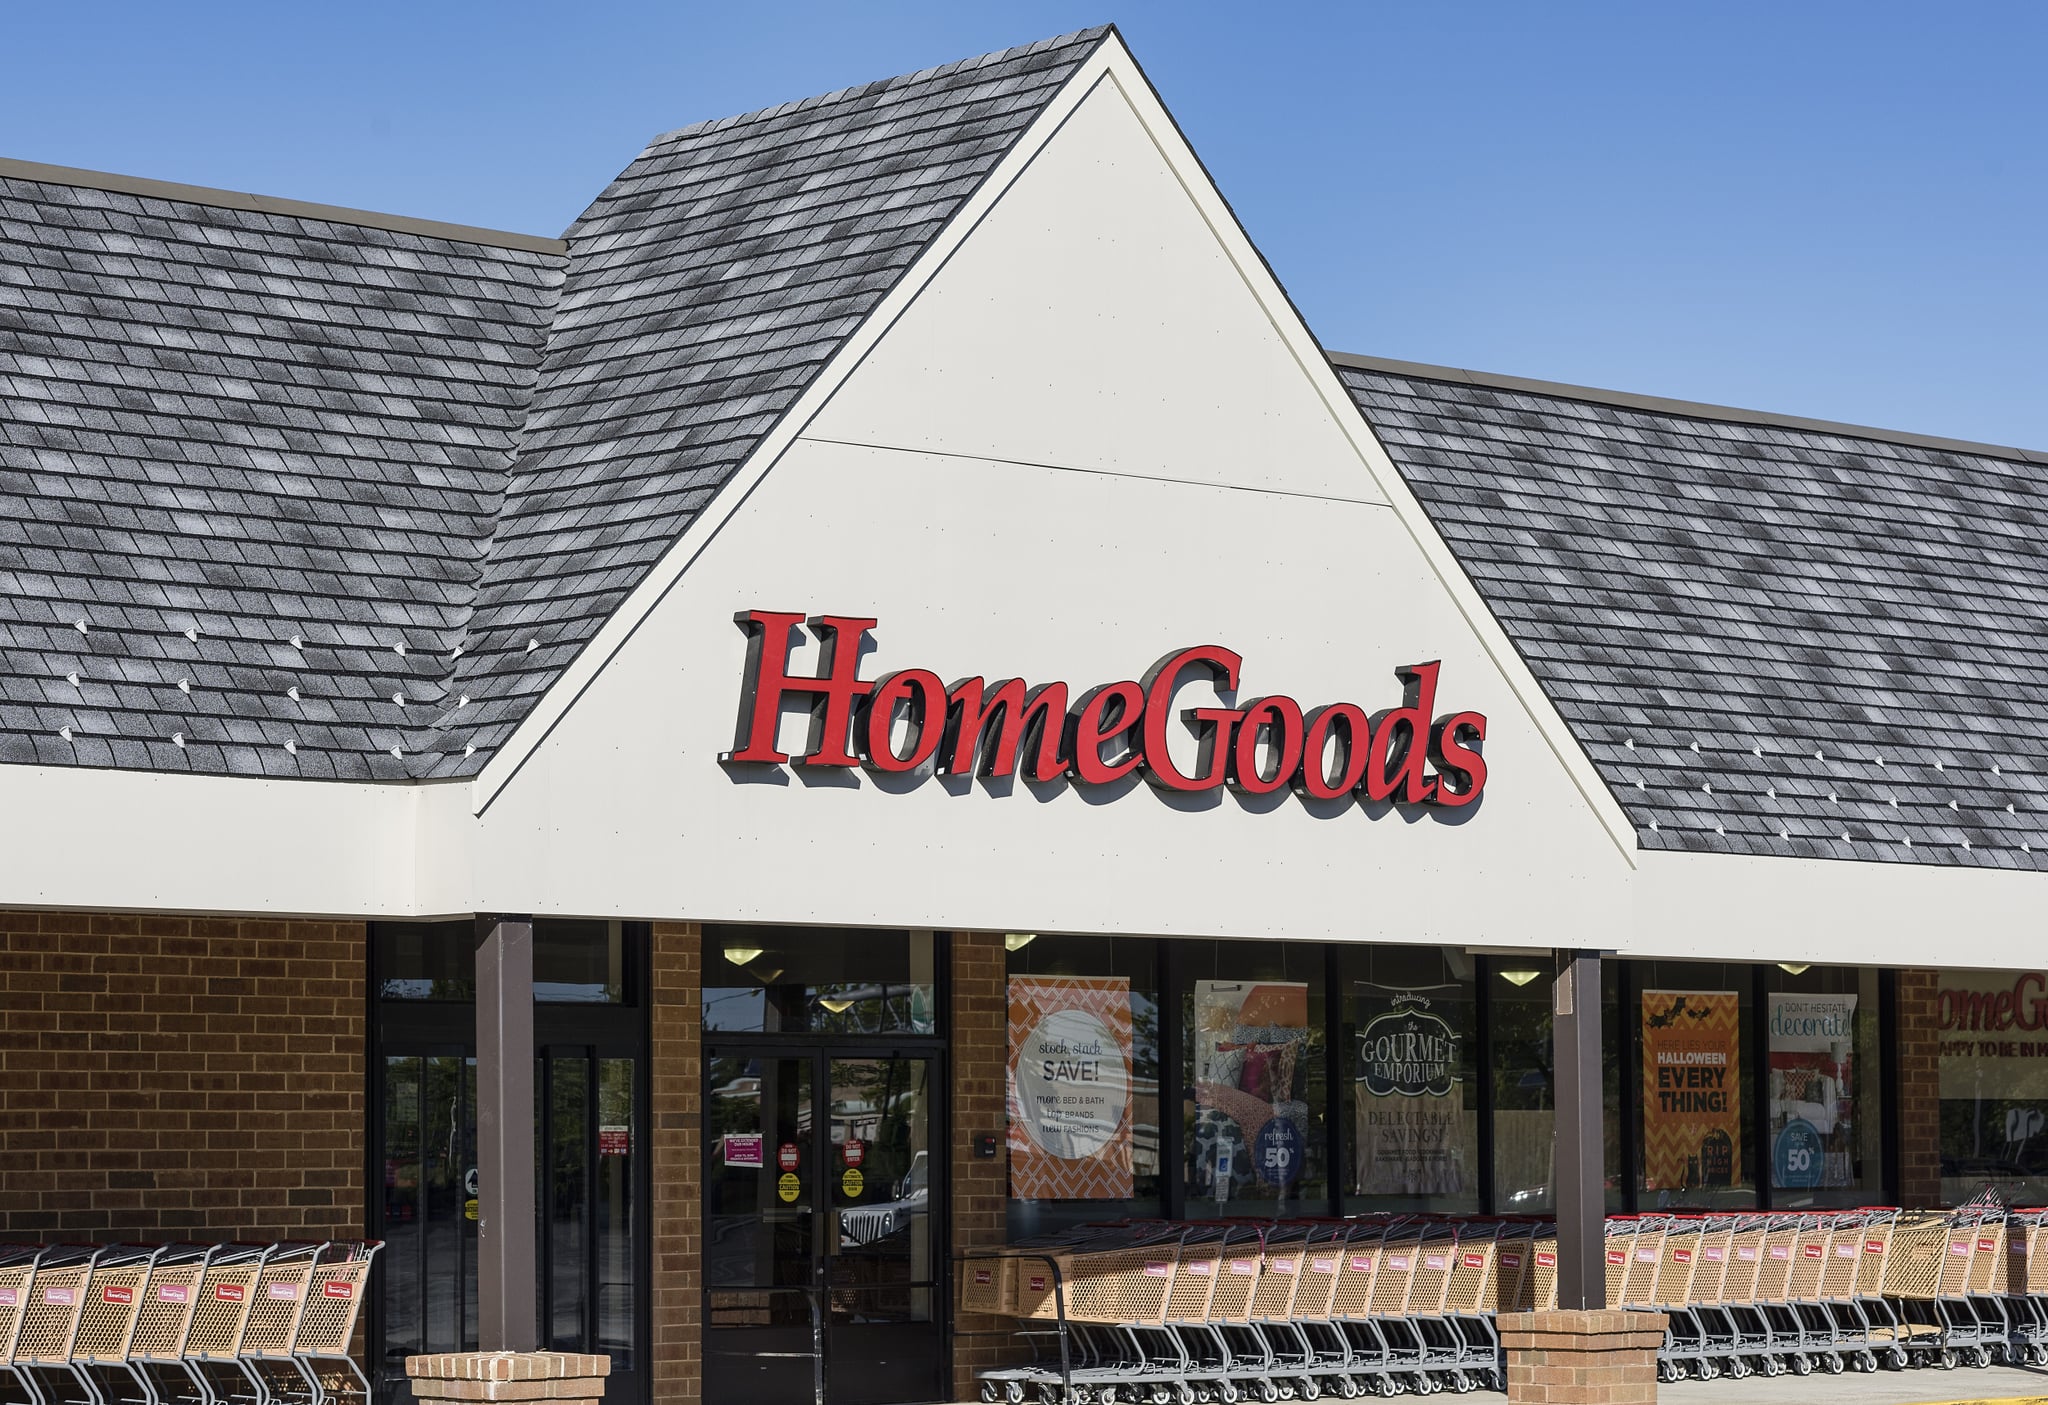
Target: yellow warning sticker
789	1187
850	1181
469	1209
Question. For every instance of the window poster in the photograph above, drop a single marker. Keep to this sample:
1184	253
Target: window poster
1251	1048
1813	1067
1070	1088
1994	1083
1409	1093
1692	1089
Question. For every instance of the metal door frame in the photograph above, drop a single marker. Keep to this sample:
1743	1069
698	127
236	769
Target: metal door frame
820	1051
447	1028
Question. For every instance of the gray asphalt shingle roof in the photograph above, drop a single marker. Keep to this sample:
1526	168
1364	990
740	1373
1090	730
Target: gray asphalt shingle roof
1770	638
313	440
244	457
311	494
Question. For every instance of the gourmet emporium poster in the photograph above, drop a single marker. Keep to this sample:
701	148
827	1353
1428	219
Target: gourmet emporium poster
1408	1093
1070	1088
1692	1089
1813	1080
1251	1131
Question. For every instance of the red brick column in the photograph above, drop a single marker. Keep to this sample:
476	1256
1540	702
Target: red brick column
980	1187
1582	1358
676	1059
1918	1096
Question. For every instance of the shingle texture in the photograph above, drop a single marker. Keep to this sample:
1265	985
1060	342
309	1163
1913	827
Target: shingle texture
1770	639
707	287
287	496
245	458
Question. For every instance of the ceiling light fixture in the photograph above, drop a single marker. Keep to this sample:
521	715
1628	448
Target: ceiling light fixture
1521	976
1017	941
837	1007
742	955
1793	968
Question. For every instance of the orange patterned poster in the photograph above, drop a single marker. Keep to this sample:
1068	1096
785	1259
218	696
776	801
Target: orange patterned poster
1692	1089
1070	1088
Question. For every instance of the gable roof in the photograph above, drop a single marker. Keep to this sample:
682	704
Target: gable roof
1772	636
706	289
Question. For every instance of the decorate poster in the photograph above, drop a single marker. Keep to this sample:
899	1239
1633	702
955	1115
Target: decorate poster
1408	1093
1692	1089
1070	1088
1251	1125
1813	1066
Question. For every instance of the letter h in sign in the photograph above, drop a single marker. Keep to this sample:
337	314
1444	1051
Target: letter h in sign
768	679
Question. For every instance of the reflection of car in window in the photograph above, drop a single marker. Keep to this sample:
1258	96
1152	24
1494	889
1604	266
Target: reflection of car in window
916	1182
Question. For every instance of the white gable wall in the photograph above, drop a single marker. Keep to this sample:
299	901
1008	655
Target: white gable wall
1004	569
1097	434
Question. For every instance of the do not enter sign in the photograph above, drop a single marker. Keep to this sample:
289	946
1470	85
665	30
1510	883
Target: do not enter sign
852	1152
785	1156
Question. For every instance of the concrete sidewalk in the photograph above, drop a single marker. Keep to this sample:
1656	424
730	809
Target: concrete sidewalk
1916	1387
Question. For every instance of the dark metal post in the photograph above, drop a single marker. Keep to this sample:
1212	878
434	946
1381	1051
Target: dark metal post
1575	1071
507	1312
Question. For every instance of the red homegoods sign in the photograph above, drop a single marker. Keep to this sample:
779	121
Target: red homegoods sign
2025	1006
1404	754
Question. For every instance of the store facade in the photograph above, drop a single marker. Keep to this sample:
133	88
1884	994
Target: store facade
1076	750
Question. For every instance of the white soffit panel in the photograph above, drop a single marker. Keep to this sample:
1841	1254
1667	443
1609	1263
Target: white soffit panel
1093	321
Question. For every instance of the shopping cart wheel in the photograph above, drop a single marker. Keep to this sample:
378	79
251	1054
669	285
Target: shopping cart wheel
1183	1393
1385	1386
1946	1358
1895	1359
1738	1369
1348	1387
1013	1391
1269	1391
1311	1388
1801	1363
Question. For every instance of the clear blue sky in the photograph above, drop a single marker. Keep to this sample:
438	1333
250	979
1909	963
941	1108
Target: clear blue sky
1830	209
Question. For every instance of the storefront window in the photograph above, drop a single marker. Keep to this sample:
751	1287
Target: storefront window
1083	1135
818	980
1824	1122
1698	1124
1524	1097
1994	1085
1410	1091
1254	1070
574	962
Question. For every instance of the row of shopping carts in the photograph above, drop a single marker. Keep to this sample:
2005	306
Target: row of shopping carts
1158	1313
1240	1310
183	1324
1833	1291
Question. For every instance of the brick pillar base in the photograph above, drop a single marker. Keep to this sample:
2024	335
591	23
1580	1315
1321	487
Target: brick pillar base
471	1377
1582	1358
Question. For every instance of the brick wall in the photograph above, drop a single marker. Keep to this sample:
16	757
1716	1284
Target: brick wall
1919	1092
170	1077
980	1058
677	1069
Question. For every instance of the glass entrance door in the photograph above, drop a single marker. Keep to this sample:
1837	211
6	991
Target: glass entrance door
822	1234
